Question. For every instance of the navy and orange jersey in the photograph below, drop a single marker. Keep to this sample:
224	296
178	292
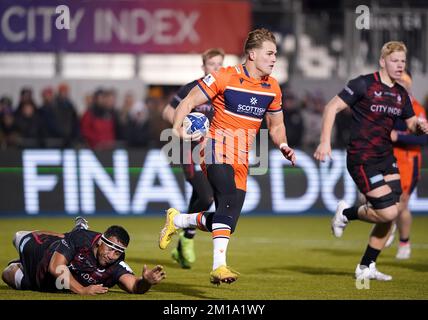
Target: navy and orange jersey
78	248
206	108
240	103
375	107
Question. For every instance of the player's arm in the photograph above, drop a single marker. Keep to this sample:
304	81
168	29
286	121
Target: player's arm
403	138
168	113
417	125
329	115
139	285
195	98
58	268
277	132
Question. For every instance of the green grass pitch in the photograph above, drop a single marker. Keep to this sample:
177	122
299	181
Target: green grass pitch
278	258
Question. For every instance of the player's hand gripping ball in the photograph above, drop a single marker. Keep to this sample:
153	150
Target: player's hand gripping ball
196	122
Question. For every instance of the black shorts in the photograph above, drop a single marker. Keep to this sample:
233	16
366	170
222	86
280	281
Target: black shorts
32	251
371	176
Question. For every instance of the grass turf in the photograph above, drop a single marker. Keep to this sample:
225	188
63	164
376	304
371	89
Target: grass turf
278	258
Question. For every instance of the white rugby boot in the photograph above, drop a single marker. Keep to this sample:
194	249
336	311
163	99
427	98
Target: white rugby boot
371	273
339	221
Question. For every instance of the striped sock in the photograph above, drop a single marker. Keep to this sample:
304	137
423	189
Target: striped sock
191	220
221	236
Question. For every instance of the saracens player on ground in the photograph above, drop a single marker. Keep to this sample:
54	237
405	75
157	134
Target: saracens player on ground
376	101
82	261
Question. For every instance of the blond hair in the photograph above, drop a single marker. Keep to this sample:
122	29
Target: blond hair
213	52
256	38
392	46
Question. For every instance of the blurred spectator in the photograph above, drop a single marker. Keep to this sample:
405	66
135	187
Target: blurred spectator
343	128
99	123
312	114
124	116
51	127
8	133
293	118
28	125
154	103
66	116
140	126
26	95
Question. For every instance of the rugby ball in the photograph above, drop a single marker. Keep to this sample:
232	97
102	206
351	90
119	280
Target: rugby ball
196	121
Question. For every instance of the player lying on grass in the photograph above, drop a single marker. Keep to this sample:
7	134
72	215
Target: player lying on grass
82	261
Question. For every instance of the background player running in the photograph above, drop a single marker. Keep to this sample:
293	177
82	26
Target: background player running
202	194
242	96
376	100
407	151
83	261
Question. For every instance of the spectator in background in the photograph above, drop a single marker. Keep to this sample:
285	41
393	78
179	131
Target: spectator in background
312	115
343	128
26	95
124	116
51	127
139	125
8	133
28	125
66	116
293	118
154	103
99	123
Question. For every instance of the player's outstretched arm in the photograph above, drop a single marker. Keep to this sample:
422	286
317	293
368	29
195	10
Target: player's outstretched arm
329	115
417	125
132	284
195	98
277	132
65	280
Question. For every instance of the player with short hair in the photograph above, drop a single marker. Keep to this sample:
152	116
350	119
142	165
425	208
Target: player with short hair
242	96
407	151
202	193
376	101
82	261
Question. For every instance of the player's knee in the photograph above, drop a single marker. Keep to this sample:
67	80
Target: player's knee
388	214
18	237
8	275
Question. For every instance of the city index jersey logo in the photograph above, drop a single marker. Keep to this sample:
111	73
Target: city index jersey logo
379	108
